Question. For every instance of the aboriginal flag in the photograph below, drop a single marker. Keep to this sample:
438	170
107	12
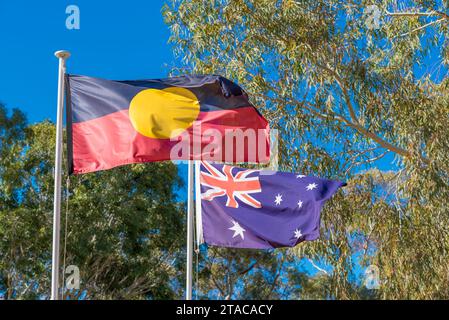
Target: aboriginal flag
113	123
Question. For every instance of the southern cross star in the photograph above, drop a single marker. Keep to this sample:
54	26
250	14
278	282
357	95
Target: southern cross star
278	199
298	234
300	204
311	186
238	230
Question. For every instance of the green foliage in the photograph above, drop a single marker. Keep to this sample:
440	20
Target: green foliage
344	95
125	228
132	243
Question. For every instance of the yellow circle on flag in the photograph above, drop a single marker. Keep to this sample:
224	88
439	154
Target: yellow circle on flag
161	114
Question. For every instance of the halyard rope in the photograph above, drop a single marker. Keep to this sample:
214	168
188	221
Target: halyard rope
65	234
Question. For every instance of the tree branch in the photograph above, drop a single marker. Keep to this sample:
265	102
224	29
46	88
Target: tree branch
355	124
362	130
366	161
278	273
432	13
209	262
343	87
422	27
249	268
317	267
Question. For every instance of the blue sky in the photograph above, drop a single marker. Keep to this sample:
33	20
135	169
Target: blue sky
115	41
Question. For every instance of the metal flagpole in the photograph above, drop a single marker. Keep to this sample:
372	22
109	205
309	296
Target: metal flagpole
189	267
62	56
199	222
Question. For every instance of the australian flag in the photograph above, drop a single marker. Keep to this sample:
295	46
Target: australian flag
244	208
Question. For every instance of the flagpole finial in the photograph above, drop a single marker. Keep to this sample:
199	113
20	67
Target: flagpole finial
62	54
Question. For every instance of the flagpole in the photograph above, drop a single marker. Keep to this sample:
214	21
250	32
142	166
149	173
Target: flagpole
189	266
199	219
62	56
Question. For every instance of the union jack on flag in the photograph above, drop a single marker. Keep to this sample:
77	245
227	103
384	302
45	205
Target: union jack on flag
223	182
245	208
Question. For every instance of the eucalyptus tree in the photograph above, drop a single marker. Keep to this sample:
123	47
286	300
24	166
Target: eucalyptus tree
359	91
